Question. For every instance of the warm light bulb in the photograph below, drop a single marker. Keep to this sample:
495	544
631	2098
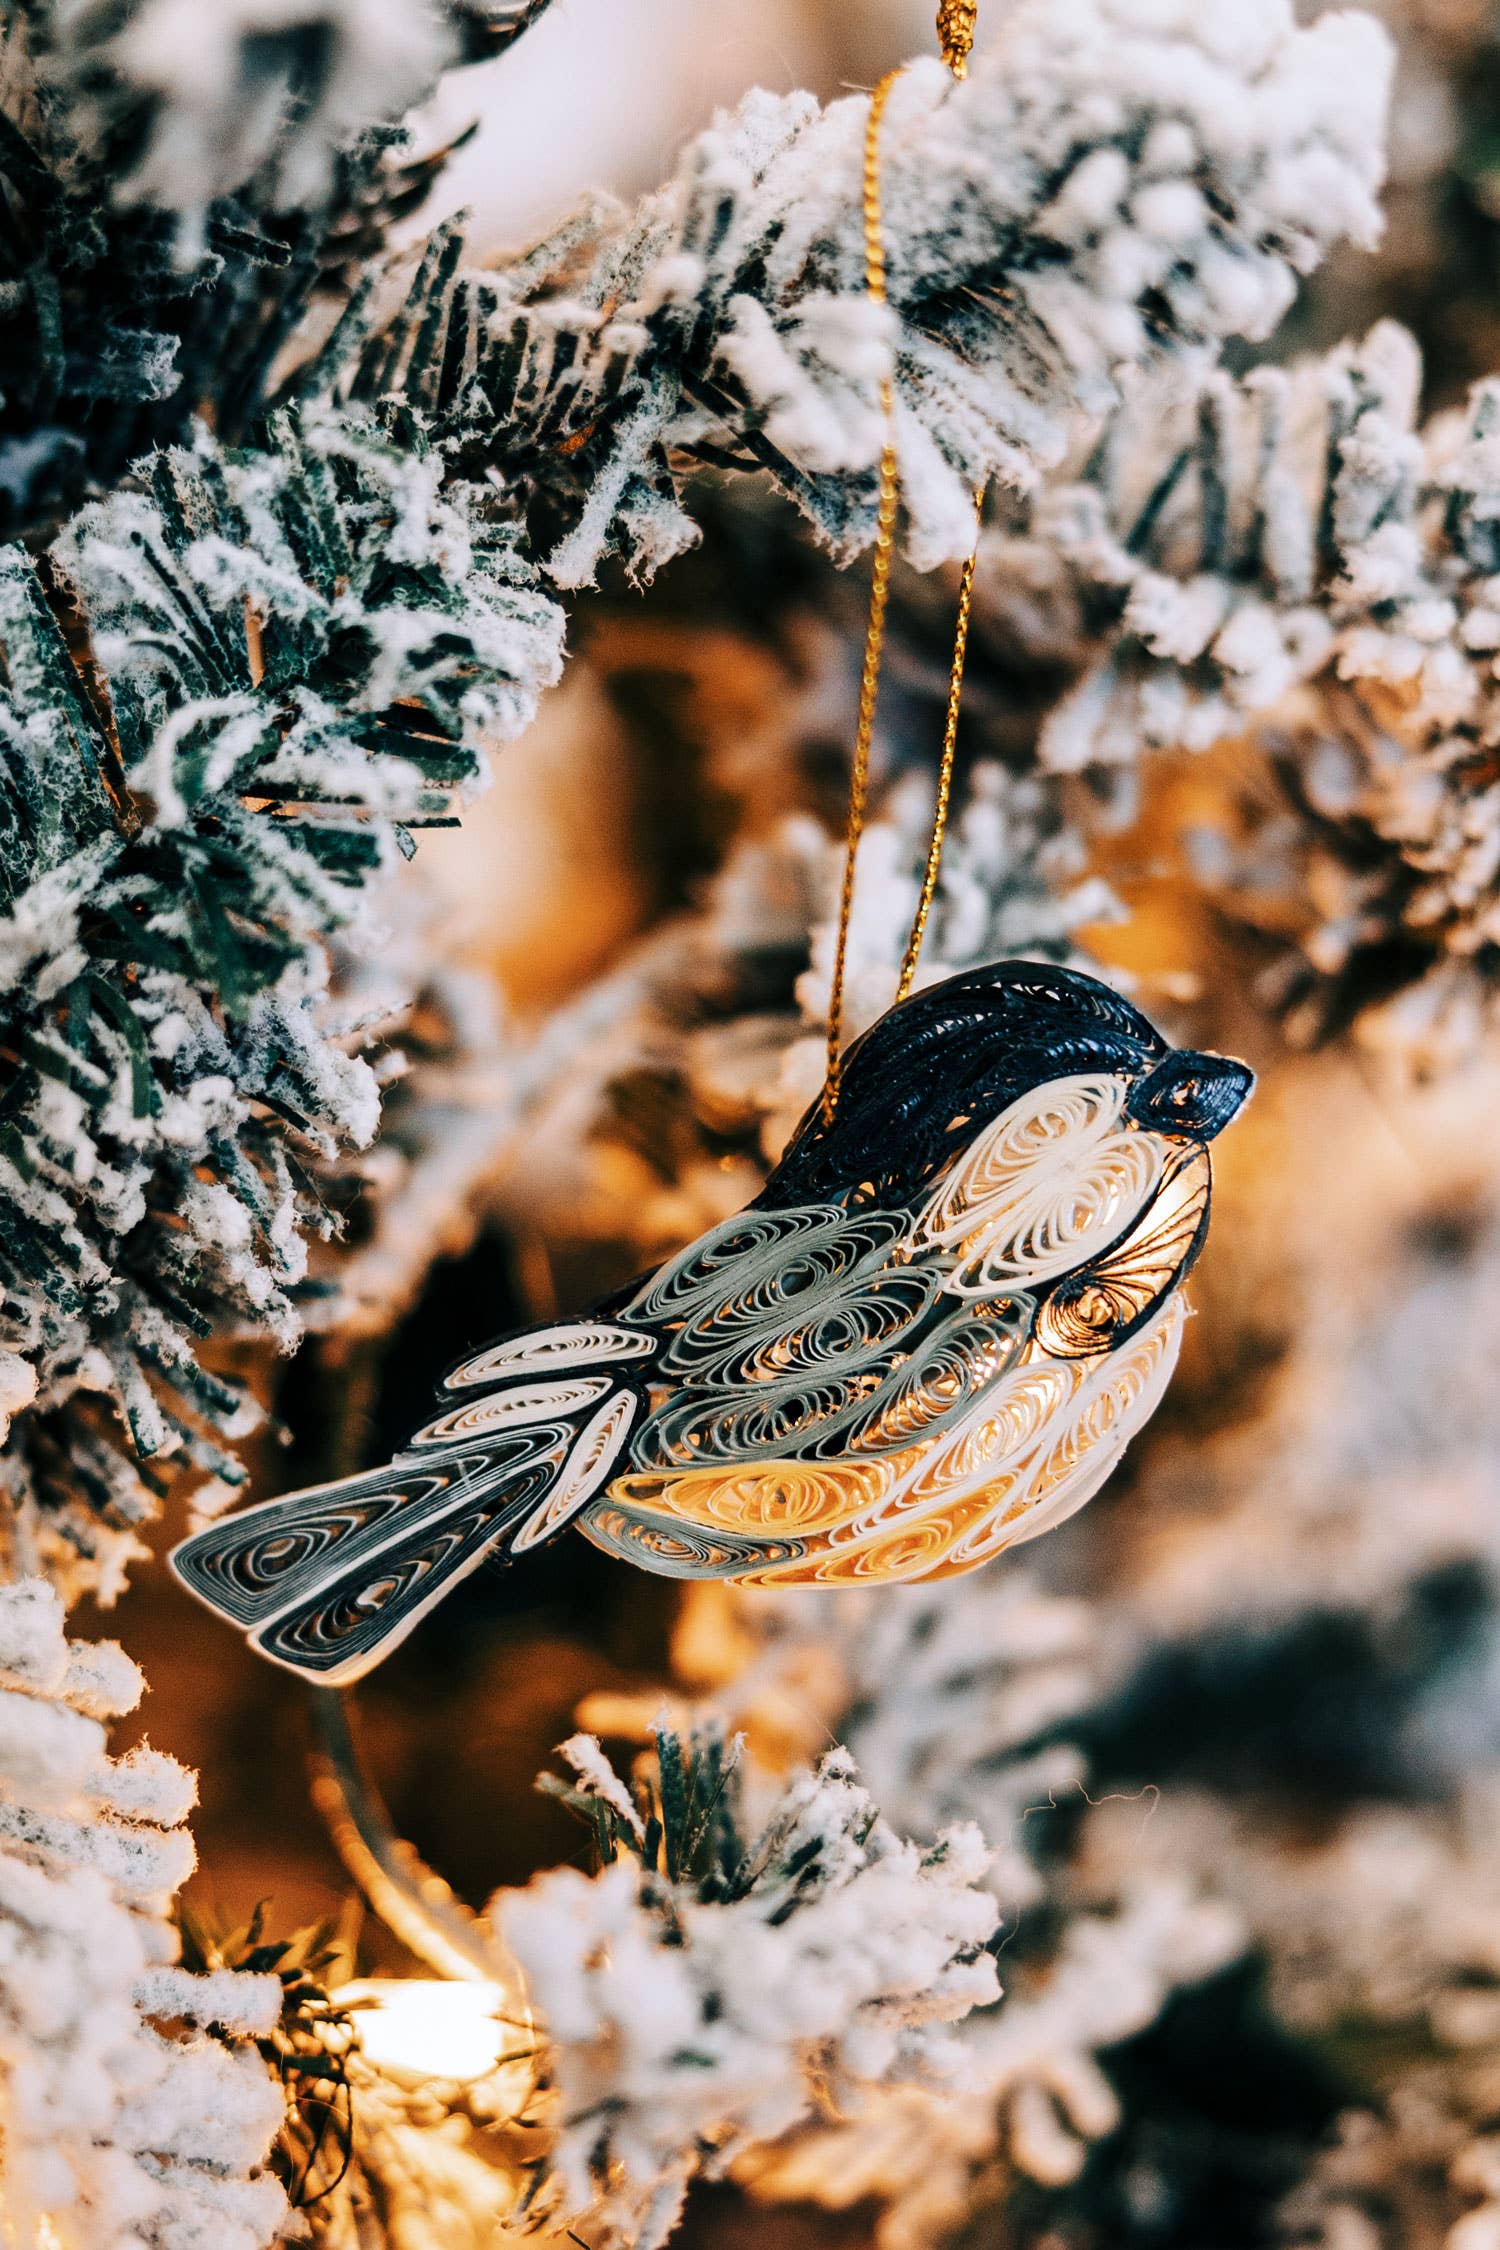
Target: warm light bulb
429	2027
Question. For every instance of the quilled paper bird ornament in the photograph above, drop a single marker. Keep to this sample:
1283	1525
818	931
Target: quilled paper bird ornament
929	1338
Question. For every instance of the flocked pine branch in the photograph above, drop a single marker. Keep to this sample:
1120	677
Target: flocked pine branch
1201	565
1033	2098
1103	188
711	1984
192	103
180	185
281	663
113	335
135	2110
1294	558
963	1700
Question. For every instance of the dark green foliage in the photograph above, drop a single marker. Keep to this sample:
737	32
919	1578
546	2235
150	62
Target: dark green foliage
281	661
689	1827
231	691
121	319
110	339
690	1832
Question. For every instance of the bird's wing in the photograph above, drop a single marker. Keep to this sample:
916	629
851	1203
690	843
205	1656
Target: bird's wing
759	1266
327	1581
879	1371
536	1353
805	1331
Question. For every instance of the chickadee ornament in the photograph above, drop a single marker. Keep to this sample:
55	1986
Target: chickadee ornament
929	1338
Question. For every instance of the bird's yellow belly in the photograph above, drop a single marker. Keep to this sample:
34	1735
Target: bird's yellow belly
1037	1445
845	1523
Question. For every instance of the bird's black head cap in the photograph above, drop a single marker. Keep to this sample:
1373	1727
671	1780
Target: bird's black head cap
930	1074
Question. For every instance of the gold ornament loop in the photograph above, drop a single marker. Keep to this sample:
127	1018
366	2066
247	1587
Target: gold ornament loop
880	587
955	30
956	34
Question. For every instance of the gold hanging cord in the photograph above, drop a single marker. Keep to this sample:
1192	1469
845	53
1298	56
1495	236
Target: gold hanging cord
956	33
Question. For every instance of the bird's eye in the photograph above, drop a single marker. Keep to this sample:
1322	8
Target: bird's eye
1184	1092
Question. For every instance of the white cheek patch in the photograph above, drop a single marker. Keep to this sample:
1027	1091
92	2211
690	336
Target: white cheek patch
1049	1184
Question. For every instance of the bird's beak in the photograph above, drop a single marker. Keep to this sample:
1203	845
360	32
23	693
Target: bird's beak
1224	1087
1194	1096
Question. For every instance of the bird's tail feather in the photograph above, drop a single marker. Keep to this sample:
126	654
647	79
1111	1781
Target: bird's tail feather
326	1582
